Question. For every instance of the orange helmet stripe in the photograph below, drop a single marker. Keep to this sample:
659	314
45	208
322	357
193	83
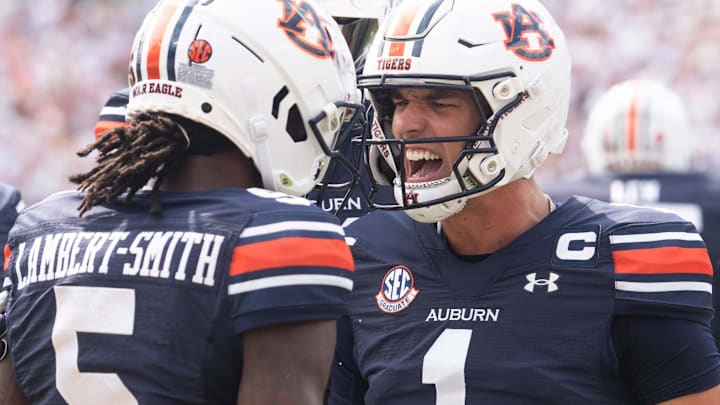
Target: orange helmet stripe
403	27
632	120
153	60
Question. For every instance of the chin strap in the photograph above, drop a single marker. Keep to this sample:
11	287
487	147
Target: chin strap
551	203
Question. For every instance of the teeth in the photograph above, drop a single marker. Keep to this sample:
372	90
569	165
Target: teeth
415	155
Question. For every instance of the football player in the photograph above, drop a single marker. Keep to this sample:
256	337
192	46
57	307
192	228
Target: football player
10	205
484	291
219	285
640	150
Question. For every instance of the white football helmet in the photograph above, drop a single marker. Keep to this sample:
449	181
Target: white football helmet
359	21
510	53
275	78
638	126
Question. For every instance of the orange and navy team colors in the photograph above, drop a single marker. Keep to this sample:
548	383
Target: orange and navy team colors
693	196
113	112
120	306
596	304
10	205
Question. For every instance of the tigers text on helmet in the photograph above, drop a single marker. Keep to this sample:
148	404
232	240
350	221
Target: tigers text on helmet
275	78
638	125
510	56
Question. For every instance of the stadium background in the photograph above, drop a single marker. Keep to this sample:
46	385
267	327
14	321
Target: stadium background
63	58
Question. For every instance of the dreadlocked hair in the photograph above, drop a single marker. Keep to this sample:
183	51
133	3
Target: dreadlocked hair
129	157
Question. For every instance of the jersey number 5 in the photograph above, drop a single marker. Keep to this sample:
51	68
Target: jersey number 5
91	310
444	366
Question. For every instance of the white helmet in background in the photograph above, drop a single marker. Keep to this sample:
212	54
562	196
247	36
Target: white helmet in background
359	21
510	55
274	78
638	126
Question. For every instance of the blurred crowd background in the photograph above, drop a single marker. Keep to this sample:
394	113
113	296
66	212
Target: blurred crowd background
63	58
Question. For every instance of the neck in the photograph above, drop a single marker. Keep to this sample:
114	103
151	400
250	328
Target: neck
220	170
491	221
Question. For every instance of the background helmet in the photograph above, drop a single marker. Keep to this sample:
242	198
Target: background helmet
638	126
359	21
274	78
514	59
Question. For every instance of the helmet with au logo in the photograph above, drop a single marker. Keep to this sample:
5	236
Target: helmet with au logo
276	78
509	55
638	126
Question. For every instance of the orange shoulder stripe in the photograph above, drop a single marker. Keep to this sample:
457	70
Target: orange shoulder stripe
7	254
291	252
663	260
103	126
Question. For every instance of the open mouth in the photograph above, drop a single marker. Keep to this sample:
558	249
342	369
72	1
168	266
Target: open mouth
423	165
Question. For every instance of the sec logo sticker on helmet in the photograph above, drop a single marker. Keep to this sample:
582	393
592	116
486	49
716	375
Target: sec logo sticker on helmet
200	51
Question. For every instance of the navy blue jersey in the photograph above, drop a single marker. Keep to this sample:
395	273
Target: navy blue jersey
122	307
10	205
113	112
530	323
693	196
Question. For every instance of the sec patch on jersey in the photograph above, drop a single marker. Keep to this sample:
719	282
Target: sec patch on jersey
397	291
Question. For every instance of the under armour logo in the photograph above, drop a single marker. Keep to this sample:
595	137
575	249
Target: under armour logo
533	281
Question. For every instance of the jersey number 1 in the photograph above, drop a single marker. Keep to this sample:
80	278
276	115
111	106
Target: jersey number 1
91	310
444	366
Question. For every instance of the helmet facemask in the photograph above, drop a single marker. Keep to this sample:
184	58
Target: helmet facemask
383	148
342	173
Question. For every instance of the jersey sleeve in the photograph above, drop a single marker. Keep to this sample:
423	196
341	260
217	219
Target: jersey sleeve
10	205
662	270
346	386
289	267
665	358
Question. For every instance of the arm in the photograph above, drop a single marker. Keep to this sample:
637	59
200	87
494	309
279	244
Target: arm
709	397
347	386
287	364
10	393
668	361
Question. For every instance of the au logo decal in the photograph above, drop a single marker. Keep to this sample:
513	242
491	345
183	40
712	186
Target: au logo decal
305	28
526	37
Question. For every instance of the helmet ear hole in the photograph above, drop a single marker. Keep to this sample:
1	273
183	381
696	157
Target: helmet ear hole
295	126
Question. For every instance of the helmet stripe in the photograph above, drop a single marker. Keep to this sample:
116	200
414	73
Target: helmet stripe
153	59
402	27
175	35
632	121
138	60
417	48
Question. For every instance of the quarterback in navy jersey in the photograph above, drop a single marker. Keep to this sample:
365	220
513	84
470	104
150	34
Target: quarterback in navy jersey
218	281
647	162
483	290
